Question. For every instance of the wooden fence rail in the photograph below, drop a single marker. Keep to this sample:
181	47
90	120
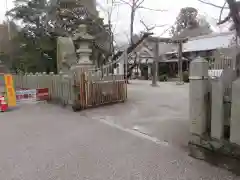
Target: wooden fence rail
94	91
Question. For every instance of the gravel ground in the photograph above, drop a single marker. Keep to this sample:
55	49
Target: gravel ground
139	139
160	112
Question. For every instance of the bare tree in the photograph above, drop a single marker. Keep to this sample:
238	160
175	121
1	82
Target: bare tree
234	10
135	5
109	16
149	28
214	5
111	6
234	14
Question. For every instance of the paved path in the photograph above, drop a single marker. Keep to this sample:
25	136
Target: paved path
160	112
46	142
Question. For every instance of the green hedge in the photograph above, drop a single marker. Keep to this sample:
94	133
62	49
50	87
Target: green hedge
163	77
186	76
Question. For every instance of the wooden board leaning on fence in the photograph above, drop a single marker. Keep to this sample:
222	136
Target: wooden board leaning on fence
10	90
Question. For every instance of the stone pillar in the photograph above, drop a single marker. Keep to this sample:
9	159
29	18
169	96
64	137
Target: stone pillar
123	64
235	113
217	109
121	68
198	90
149	70
116	70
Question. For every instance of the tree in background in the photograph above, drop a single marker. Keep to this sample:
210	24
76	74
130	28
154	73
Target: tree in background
109	7
35	46
134	6
203	22
8	31
42	22
187	19
189	24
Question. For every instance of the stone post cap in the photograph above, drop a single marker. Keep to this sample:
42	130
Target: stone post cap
199	60
199	68
82	34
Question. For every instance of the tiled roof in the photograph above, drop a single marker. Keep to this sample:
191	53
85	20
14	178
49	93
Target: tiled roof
208	42
188	33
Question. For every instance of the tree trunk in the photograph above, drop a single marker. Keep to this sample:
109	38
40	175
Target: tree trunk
132	22
234	10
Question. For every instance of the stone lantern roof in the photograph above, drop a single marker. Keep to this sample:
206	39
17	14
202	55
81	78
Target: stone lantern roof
89	4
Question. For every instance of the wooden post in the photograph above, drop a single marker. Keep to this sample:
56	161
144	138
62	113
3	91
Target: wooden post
180	72
155	65
126	71
156	59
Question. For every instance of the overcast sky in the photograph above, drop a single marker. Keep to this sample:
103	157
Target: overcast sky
121	15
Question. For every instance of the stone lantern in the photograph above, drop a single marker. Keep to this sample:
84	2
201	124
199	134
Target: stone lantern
83	50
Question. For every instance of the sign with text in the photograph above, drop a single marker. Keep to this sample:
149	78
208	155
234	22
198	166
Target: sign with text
27	96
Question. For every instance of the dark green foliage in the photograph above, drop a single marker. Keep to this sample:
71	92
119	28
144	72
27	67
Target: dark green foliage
163	77
41	22
186	76
34	46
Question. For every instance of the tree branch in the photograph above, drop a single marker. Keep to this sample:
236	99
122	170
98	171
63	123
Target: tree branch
224	20
137	3
220	16
166	30
150	9
148	28
142	22
211	4
125	2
